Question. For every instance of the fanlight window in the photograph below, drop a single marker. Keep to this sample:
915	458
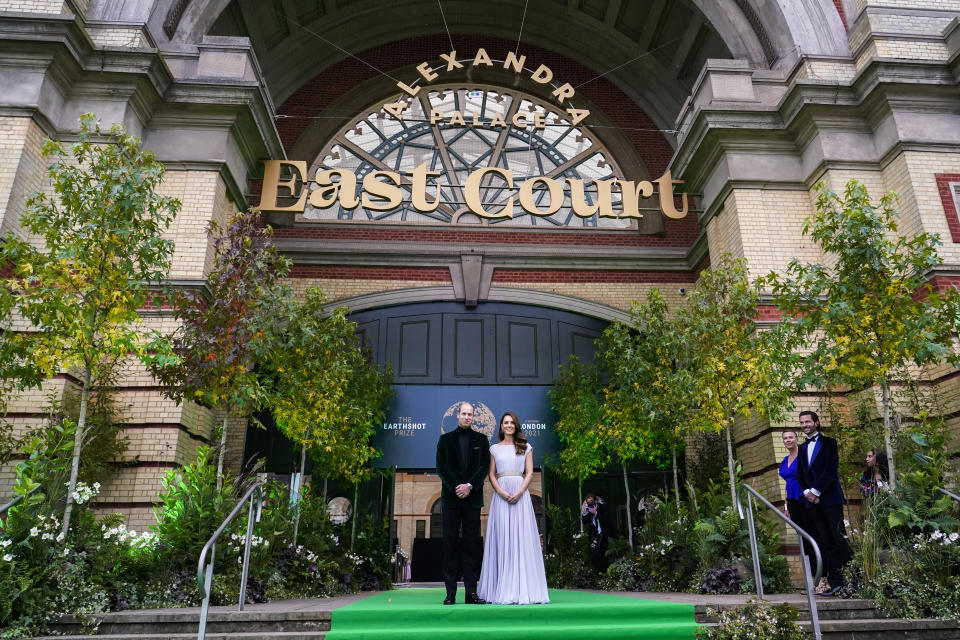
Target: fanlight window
378	141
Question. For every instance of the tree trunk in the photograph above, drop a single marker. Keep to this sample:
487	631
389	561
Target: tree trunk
546	503
353	515
296	518
731	472
78	436
223	449
626	486
887	435
580	496
324	491
676	485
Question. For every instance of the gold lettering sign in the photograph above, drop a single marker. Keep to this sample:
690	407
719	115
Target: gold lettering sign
542	75
385	190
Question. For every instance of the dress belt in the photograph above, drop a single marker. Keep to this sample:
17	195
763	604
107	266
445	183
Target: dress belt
509	473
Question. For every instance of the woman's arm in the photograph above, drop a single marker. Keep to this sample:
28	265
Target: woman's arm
492	474
527	477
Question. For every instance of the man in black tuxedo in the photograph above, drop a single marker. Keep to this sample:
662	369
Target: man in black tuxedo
463	459
818	475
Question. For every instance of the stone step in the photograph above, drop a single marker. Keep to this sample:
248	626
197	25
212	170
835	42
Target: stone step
883	629
833	609
887	629
132	622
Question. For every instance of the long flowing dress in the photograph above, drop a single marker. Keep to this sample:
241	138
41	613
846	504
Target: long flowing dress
512	571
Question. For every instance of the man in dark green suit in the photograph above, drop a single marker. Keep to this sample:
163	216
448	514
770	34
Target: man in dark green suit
463	459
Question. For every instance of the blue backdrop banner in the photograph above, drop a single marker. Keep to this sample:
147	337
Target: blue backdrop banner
421	414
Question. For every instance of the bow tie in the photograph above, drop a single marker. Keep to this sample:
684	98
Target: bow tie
809	440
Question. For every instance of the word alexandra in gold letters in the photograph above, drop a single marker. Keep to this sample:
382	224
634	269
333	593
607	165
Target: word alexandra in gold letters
384	190
542	75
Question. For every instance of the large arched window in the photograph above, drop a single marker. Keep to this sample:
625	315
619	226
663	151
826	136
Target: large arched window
378	141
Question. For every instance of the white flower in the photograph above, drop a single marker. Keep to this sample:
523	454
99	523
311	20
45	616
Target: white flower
34	532
953	536
7	557
60	537
5	543
66	551
936	535
47	536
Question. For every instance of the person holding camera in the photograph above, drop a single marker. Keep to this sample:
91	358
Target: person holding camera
593	513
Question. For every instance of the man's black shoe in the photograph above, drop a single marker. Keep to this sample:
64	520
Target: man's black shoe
832	591
450	599
472	598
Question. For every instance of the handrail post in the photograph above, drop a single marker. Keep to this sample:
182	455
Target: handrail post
801	534
754	551
811	596
207	581
205	567
246	552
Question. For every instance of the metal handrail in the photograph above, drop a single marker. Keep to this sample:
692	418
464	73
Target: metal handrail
205	569
17	500
947	493
803	535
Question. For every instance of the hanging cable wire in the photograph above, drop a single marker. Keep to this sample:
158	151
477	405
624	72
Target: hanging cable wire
442	15
632	60
335	46
522	20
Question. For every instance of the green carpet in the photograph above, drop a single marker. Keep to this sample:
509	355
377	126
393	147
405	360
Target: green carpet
574	615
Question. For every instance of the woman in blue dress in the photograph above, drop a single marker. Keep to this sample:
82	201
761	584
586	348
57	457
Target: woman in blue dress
796	507
512	571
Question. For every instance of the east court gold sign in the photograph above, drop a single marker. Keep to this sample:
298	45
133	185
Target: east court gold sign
386	190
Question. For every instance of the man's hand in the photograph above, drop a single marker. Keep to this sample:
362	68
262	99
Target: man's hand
462	490
812	499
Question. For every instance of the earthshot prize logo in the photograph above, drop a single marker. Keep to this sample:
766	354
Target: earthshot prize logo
484	420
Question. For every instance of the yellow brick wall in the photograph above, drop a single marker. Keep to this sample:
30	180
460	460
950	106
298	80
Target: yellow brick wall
203	196
765	226
22	169
723	230
129	37
34	6
920	199
943	5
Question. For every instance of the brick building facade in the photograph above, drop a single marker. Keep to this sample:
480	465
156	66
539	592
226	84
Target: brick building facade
749	102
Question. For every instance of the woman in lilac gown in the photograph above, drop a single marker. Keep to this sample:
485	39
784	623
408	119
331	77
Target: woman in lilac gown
512	571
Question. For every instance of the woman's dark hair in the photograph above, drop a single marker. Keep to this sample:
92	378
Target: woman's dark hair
880	464
519	440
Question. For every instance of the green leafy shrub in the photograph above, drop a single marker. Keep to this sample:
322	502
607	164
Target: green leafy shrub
920	581
725	542
755	620
666	546
567	561
190	510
